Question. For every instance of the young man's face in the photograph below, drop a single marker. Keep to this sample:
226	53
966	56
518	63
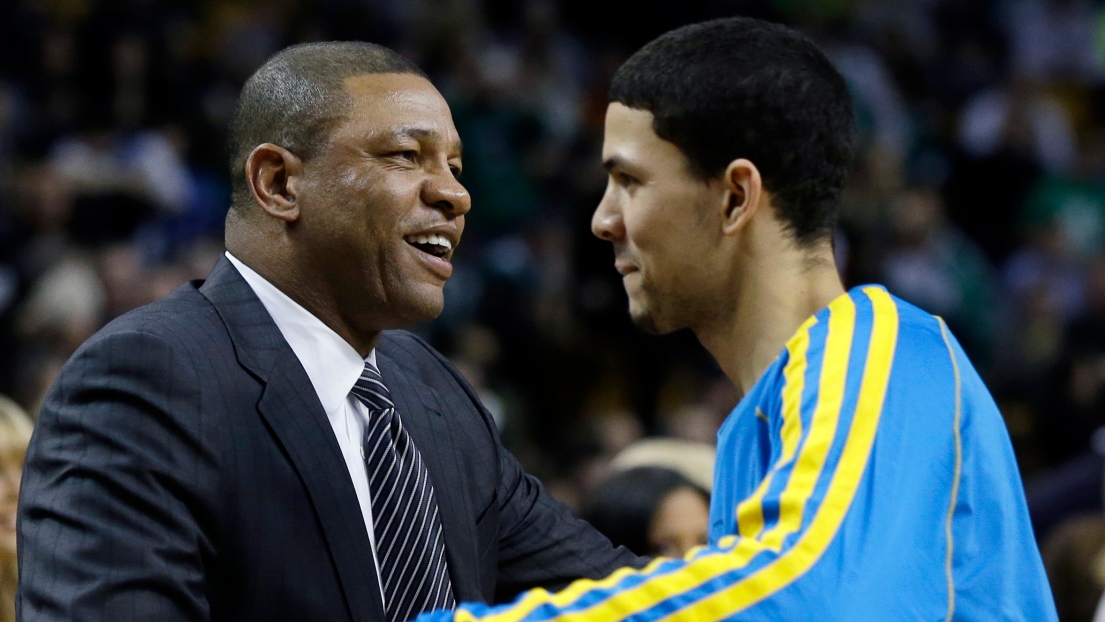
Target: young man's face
662	220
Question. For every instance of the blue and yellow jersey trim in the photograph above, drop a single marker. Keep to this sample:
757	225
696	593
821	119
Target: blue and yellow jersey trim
837	371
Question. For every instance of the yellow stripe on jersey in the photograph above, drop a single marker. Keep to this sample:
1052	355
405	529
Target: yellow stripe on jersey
639	598
826	415
842	488
750	512
536	597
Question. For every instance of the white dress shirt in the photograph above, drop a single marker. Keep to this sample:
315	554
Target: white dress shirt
333	367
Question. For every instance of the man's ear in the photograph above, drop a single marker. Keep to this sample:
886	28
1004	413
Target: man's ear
272	172
744	194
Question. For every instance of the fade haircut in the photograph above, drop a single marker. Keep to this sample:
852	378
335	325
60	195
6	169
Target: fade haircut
744	88
297	98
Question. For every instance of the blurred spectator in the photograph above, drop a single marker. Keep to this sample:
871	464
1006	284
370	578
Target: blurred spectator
65	307
881	114
1045	282
120	179
651	511
15	433
694	461
1052	38
1071	418
1022	116
934	265
694	422
1074	556
1077	401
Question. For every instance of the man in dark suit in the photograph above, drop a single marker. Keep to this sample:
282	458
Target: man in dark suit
261	446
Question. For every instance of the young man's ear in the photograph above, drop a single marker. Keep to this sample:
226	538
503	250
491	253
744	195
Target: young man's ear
743	196
272	172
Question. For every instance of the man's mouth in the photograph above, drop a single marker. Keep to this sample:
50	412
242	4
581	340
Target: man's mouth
431	244
624	267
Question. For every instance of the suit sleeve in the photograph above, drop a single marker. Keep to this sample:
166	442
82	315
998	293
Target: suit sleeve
541	543
785	525
109	512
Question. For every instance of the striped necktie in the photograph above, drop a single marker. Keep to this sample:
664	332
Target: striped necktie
409	546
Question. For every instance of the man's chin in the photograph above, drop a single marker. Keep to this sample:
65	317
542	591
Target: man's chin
427	308
422	303
647	321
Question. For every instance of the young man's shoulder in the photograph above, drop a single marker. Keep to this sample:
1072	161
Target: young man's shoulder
920	336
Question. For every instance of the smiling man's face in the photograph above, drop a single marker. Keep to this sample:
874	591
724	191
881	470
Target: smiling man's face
381	210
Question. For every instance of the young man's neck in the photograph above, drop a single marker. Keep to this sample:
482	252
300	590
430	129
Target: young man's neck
775	297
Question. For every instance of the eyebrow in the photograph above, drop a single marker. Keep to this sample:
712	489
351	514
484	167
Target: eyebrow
612	163
421	133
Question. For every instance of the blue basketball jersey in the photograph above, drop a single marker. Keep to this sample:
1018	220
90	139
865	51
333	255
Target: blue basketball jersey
867	475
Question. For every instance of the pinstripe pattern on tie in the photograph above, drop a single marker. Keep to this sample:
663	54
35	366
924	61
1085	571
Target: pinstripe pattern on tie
409	545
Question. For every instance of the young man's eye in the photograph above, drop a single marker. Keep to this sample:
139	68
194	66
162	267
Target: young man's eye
626	180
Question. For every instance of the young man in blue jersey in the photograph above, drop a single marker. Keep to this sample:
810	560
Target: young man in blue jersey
866	474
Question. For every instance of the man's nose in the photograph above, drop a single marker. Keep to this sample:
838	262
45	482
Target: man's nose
606	223
446	193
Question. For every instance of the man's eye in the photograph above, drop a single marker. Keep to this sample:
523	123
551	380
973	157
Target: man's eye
456	171
626	180
406	154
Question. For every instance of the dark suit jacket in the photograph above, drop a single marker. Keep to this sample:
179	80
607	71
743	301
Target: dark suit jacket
183	469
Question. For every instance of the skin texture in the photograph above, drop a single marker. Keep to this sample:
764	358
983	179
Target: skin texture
709	255
329	230
679	524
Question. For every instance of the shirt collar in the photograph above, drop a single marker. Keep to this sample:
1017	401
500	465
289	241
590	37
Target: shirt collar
330	362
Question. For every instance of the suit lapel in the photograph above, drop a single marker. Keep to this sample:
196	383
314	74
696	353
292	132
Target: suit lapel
420	409
292	410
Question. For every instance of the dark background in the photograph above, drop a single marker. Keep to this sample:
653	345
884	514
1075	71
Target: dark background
978	194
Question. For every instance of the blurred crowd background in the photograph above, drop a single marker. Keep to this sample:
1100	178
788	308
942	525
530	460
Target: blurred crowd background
978	194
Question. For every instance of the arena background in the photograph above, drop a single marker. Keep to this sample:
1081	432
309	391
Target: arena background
978	194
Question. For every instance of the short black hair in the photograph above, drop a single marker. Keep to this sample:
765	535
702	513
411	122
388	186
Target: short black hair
296	98
745	88
622	506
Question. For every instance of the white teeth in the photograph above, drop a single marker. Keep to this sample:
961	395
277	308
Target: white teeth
434	239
